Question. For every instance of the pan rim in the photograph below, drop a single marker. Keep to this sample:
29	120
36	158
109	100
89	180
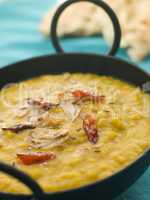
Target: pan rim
134	65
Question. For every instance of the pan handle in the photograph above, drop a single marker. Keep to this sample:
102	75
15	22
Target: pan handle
100	3
24	178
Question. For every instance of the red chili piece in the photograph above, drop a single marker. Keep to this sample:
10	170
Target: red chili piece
43	105
86	96
80	93
19	127
35	157
90	128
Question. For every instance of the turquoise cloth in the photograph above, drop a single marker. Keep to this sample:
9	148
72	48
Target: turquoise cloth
20	39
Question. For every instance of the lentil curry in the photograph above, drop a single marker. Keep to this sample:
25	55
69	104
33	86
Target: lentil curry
70	130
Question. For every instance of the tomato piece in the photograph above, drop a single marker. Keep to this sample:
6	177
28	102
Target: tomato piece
35	157
90	128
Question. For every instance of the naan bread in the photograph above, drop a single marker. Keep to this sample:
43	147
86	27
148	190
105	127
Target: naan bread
78	19
87	19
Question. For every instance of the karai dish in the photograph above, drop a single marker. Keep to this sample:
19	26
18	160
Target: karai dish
70	130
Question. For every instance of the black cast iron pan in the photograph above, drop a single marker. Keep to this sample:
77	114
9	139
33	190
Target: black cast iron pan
77	62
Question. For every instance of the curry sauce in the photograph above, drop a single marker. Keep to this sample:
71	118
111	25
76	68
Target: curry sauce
70	130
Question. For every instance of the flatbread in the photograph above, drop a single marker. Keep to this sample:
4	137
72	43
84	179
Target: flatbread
79	19
86	19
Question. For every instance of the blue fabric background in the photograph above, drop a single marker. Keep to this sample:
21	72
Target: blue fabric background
20	39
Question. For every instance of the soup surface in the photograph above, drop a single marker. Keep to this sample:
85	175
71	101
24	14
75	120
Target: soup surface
70	130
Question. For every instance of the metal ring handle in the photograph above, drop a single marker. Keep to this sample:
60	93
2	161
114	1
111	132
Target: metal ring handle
24	178
106	8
